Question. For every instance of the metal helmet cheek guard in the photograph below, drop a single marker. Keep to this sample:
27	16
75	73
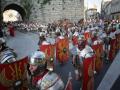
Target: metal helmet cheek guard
37	58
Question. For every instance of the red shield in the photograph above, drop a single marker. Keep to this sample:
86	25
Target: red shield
112	51
62	50
88	77
75	40
49	51
98	60
118	41
87	35
9	73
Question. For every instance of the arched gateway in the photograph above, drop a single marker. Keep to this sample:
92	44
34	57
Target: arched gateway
14	11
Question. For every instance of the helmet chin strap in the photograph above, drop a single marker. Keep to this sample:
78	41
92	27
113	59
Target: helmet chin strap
39	70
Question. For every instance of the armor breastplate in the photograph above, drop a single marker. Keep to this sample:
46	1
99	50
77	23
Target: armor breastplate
51	81
7	55
87	52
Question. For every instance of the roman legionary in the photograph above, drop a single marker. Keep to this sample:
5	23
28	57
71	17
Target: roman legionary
39	77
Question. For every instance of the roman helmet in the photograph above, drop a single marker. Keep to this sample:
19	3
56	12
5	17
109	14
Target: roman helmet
81	42
38	59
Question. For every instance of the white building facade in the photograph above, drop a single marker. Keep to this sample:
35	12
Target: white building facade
111	9
91	14
115	9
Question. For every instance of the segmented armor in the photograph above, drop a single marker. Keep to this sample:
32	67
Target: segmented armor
50	81
7	56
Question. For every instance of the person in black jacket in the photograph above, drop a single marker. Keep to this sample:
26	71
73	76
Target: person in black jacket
1	33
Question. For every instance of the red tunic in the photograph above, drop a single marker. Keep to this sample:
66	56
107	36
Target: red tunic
37	78
11	30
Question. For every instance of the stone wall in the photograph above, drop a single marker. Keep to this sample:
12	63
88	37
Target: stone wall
5	3
54	10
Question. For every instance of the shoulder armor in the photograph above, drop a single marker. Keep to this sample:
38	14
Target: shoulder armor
87	52
6	55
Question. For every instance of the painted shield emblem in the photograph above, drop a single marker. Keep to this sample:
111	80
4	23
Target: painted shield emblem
112	51
98	59
62	50
88	75
49	51
87	35
12	73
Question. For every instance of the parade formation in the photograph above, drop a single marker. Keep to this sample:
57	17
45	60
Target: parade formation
91	46
71	44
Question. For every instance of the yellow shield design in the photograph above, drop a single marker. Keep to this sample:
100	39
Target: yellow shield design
49	51
62	50
12	72
98	60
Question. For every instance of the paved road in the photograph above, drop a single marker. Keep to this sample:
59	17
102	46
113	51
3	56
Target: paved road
23	44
